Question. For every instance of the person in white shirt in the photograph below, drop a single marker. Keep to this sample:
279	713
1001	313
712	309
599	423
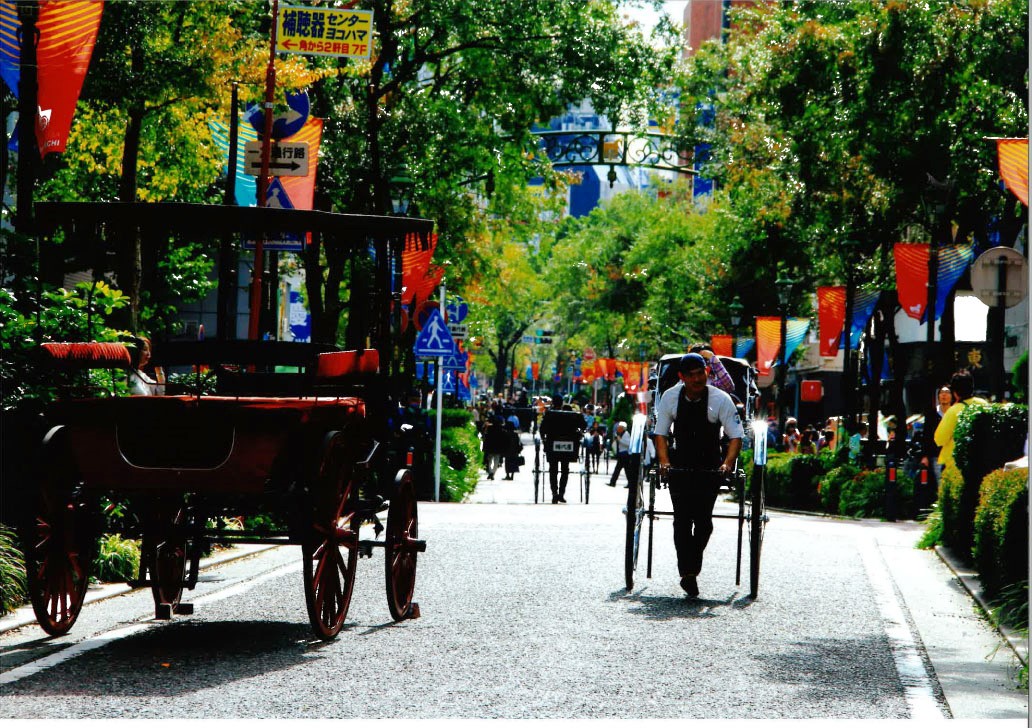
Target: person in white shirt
690	418
622	448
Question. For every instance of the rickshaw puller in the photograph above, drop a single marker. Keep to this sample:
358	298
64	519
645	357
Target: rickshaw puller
691	414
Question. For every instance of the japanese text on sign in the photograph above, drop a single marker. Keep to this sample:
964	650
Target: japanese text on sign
325	31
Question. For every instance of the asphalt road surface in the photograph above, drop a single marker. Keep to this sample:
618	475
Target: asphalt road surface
525	615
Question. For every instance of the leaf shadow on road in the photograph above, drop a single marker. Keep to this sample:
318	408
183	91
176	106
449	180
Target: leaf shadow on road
181	658
664	606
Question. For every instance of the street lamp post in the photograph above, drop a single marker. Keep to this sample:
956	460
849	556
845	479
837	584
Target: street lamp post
736	319
849	249
784	288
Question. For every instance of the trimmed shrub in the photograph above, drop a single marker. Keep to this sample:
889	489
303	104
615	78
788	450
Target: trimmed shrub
863	495
1001	530
986	437
829	488
792	480
12	572
460	454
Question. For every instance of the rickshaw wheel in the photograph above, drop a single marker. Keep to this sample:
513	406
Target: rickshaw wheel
168	563
400	553
329	573
59	542
635	516
757	518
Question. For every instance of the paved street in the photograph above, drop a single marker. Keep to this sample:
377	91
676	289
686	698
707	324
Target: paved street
524	615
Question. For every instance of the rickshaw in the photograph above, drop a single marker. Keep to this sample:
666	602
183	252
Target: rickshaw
641	497
309	435
563	444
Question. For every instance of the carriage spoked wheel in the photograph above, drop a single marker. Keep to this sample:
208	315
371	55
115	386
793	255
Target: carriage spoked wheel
635	517
330	549
59	541
401	548
167	554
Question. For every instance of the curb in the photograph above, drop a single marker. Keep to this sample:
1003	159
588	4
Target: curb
23	615
971	583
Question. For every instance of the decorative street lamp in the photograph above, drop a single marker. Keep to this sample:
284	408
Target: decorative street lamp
736	319
784	288
401	187
850	249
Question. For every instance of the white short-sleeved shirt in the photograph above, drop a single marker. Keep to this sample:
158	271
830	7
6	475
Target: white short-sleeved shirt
720	409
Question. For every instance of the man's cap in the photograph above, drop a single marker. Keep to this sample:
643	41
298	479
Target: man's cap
622	424
690	362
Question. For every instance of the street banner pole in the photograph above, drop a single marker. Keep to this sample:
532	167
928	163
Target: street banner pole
437	437
263	179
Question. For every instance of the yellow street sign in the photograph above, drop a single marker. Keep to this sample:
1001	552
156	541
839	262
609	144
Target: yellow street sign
324	31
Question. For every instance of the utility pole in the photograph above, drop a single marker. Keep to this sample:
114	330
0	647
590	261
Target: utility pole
28	149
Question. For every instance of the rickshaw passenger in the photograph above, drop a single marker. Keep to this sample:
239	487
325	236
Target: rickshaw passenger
692	413
560	425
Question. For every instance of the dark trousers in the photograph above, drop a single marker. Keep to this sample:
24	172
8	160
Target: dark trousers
627	463
558	474
693	496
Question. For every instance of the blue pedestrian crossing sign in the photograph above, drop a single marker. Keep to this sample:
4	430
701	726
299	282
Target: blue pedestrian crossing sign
434	339
456	360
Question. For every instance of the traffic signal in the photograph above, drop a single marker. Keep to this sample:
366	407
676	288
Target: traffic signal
544	336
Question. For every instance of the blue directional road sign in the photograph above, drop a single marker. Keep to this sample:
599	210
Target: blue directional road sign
456	361
434	339
284	125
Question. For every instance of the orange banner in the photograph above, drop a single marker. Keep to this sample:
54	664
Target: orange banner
301	190
720	344
1013	160
768	342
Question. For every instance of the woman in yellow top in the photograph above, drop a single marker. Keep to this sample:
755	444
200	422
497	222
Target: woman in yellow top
963	387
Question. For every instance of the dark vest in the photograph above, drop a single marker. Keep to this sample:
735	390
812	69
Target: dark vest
696	439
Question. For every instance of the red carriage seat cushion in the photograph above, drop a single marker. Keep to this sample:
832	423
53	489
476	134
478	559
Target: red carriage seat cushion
89	355
342	363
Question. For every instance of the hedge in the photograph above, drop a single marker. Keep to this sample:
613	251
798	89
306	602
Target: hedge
1001	530
460	454
863	495
986	437
829	488
792	480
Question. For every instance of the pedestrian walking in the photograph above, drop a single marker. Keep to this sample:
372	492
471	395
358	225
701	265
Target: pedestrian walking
561	432
494	445
622	450
962	384
513	458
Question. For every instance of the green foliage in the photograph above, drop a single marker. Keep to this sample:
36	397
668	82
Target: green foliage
830	486
932	535
12	572
460	455
792	480
76	314
863	496
117	559
986	437
1001	530
1019	378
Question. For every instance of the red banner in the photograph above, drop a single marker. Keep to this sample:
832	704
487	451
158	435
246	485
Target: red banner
632	376
604	369
535	369
720	344
768	342
67	34
418	277
831	317
1013	160
912	277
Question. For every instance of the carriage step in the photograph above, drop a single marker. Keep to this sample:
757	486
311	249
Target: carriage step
183	608
162	611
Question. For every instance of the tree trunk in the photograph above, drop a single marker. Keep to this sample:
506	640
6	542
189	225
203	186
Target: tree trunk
130	272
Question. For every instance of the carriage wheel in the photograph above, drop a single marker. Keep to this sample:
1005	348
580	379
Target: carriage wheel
59	542
168	563
329	573
757	520
400	550
635	516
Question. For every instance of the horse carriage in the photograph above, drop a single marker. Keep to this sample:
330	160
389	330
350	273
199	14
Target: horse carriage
312	436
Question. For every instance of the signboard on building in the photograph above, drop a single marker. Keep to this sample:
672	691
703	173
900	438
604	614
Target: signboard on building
323	31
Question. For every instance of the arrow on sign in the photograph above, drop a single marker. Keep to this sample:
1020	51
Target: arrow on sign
292	166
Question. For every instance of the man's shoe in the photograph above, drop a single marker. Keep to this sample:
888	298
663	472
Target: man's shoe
690	586
612	484
555	499
561	499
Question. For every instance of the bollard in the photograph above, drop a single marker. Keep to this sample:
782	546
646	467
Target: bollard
890	488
